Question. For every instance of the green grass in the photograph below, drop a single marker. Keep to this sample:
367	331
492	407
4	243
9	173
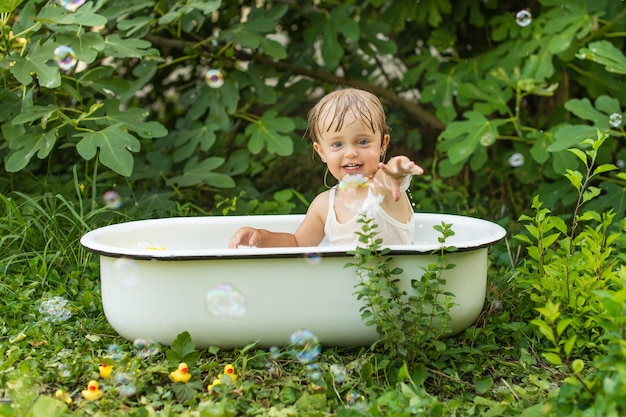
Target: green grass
496	367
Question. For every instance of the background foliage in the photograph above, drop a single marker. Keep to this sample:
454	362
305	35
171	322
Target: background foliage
515	111
466	86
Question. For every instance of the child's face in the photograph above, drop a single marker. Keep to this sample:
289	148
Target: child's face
355	149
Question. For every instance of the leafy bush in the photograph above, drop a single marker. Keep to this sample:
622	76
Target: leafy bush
182	100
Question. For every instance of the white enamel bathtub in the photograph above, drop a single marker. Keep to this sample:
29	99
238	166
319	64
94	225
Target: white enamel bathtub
164	276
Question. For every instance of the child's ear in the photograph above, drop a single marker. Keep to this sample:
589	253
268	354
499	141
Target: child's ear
383	146
319	151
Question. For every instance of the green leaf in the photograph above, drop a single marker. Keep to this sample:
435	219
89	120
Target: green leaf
115	145
85	45
552	358
476	130
130	118
604	168
575	178
196	136
268	132
483	384
590	193
183	350
578	365
33	113
46	406
7	6
196	173
117	47
580	154
605	53
36	60
84	16
23	148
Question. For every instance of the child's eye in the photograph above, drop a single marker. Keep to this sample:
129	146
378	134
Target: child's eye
363	142
336	145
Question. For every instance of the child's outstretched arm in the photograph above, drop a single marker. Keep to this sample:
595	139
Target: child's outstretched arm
395	171
261	238
309	233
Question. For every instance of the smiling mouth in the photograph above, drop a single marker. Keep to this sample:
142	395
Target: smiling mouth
352	166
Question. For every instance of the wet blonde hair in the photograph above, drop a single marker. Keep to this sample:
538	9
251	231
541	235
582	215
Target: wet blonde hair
331	111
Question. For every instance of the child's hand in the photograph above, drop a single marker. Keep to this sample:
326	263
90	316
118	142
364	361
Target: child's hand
396	170
245	236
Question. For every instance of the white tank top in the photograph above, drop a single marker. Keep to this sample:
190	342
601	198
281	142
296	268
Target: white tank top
390	230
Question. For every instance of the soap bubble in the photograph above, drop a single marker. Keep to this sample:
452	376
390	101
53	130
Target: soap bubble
64	371
615	120
313	258
225	301
621	164
274	352
356	401
127	272
214	78
112	199
516	160
523	18
115	352
314	373
124	384
305	346
55	310
487	139
359	194
64	57
338	372
145	348
71	5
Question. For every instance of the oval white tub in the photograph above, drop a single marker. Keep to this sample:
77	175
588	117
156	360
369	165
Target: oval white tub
161	277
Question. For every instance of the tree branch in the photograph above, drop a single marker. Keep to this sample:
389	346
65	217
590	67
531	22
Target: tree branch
421	115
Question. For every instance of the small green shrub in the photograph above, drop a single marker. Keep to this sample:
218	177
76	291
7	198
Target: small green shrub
576	280
409	324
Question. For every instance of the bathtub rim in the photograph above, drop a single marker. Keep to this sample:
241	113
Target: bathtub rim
90	241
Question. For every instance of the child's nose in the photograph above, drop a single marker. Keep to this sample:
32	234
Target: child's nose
351	151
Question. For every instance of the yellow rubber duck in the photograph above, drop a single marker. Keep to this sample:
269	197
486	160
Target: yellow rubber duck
229	376
181	374
92	393
105	370
63	396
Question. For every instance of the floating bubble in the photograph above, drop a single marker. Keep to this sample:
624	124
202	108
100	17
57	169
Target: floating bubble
356	401
621	164
124	384
274	352
71	5
64	371
55	310
145	348
225	301
516	160
115	352
359	194
523	18
615	120
127	272
312	258
363	274
112	199
214	78
314	373
64	57
338	372
305	346
487	139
